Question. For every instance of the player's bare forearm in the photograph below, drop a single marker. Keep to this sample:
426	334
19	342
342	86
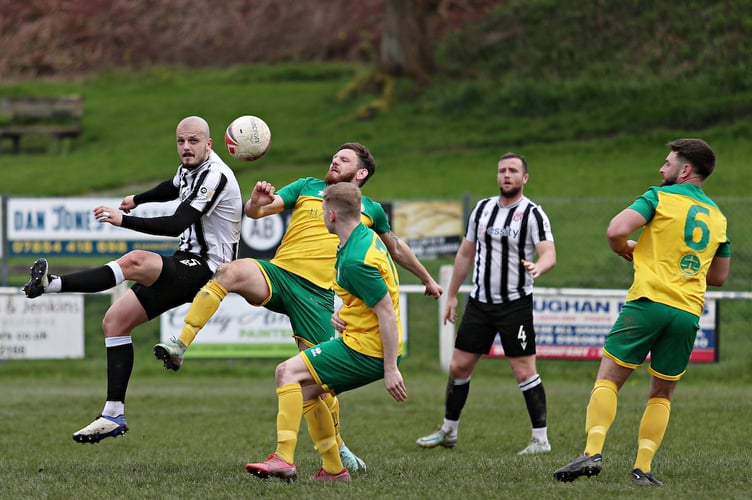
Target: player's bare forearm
463	263
263	201
389	332
621	226
403	255
128	204
546	259
718	272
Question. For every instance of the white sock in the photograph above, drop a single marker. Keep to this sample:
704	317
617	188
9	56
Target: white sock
450	426
113	408
117	271
53	285
541	434
116	341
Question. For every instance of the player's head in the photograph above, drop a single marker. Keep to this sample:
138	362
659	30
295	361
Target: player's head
511	174
352	162
510	155
341	205
693	152
194	141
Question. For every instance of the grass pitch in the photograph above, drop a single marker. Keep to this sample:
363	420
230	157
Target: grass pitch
191	436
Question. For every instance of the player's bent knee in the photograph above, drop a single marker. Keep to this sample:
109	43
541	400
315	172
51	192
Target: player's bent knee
242	277
136	263
230	274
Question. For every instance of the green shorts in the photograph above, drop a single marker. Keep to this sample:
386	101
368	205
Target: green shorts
338	368
665	332
308	306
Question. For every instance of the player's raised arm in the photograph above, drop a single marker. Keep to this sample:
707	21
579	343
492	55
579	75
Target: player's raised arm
263	201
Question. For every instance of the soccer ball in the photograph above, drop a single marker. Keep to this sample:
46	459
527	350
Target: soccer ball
248	138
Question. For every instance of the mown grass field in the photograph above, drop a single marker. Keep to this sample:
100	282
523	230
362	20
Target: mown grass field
192	432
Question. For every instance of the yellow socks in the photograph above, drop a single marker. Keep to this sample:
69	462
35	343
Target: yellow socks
204	305
321	429
652	428
333	403
601	412
290	401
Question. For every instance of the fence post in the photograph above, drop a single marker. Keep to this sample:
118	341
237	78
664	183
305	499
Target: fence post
4	238
446	331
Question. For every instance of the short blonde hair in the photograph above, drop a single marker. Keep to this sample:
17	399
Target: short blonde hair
344	198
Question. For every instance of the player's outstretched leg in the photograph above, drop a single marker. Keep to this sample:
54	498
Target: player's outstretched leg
170	353
39	279
204	305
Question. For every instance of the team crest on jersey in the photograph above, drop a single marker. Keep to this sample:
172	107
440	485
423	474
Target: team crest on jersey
205	192
690	264
517	216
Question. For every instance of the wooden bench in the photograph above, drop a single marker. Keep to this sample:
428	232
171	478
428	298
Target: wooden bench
54	116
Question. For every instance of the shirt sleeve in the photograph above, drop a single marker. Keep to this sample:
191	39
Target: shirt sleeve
365	282
646	204
380	220
291	192
207	191
541	226
169	225
471	231
164	191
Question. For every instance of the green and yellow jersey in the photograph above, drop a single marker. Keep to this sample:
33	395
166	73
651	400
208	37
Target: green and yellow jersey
308	249
671	261
365	273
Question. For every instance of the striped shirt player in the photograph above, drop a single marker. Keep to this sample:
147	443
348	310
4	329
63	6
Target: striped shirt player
208	191
207	220
504	235
212	190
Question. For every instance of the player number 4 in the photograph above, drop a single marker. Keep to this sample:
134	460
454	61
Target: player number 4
521	335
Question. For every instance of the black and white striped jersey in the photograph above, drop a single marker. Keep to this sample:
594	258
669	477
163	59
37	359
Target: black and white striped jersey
211	188
503	236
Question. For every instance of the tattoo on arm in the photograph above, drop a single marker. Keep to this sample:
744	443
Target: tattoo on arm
394	238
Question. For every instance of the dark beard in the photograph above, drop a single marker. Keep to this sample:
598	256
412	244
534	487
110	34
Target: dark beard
510	193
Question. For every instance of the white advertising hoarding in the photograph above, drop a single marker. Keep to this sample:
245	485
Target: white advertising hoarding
48	327
239	330
66	226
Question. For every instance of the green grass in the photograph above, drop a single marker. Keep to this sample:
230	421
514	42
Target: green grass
193	431
593	144
192	434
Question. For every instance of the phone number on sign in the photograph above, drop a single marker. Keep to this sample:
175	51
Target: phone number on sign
74	247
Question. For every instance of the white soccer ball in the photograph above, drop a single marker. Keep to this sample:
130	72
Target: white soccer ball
248	138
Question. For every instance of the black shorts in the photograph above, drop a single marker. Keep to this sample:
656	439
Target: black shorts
512	320
183	274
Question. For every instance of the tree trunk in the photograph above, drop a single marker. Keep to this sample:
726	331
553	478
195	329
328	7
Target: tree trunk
405	47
